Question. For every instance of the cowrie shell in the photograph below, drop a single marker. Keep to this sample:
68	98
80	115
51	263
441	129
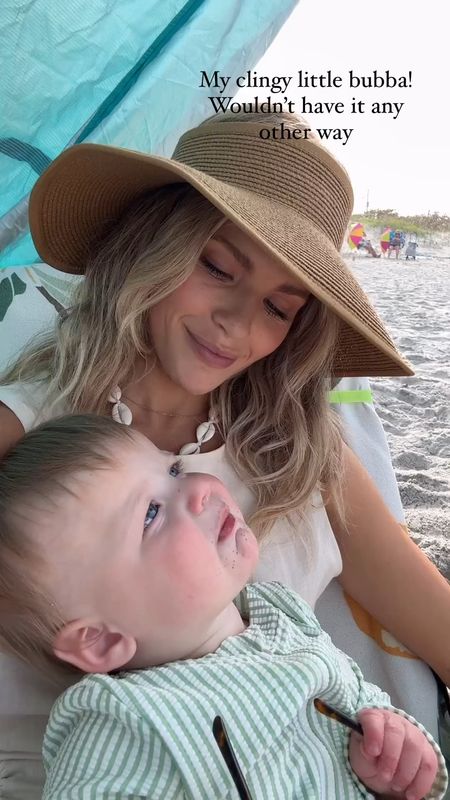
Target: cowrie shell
189	449
205	431
121	413
115	395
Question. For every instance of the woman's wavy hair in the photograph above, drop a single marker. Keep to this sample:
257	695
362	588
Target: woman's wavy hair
281	435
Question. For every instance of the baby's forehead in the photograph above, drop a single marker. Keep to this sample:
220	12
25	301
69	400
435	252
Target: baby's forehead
98	488
140	447
82	508
66	497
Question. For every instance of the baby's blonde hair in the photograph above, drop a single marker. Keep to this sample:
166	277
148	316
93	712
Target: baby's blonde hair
38	472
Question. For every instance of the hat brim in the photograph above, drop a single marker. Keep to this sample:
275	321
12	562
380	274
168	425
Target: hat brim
89	186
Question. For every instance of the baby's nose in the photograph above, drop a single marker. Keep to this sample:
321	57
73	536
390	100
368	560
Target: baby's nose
199	494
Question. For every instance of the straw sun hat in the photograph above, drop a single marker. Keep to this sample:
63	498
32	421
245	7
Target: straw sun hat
290	195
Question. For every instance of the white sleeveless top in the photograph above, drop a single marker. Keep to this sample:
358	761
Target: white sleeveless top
304	558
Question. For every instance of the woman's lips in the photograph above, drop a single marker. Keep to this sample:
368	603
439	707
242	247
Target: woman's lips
208	356
227	527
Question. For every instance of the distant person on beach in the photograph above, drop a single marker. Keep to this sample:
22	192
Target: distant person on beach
396	242
366	244
122	562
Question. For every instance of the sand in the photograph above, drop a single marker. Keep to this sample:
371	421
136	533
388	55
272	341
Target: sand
413	298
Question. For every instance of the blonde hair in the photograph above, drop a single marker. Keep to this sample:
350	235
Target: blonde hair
281	436
41	467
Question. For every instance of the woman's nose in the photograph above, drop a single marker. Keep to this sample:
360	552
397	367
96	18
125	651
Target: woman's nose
235	317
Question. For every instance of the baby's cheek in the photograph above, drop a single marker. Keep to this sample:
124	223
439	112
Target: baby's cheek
193	570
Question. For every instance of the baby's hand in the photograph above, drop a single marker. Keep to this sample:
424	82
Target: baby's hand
393	757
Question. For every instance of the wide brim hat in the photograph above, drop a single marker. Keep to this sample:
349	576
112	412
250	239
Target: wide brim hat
289	194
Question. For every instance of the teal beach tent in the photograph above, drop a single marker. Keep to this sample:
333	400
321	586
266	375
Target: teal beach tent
122	72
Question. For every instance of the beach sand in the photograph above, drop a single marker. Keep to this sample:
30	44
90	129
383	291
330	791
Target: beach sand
413	298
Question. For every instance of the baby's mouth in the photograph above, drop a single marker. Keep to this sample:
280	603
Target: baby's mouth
227	527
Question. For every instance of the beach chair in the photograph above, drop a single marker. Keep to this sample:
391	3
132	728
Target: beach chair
409	681
26	697
411	250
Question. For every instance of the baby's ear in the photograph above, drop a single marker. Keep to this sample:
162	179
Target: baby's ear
93	647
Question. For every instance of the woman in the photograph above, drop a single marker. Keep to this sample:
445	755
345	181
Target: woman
214	316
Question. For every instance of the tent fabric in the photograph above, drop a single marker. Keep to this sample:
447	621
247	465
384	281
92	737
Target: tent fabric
121	72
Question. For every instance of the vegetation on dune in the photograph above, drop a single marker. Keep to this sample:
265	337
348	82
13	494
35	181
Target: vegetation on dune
421	224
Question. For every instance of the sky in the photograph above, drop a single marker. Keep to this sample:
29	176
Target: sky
401	163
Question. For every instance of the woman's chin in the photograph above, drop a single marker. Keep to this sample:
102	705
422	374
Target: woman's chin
196	383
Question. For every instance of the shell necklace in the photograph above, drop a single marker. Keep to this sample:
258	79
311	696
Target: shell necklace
120	412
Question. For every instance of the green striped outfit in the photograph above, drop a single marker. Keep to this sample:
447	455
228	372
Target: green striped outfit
148	733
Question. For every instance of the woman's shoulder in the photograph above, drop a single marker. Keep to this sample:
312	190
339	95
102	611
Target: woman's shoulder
11	429
22	407
25	401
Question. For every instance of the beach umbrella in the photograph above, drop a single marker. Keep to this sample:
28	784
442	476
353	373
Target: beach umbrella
384	239
357	233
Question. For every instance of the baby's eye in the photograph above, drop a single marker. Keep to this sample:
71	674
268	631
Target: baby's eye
176	469
151	514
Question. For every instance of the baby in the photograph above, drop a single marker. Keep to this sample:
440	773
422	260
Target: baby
116	563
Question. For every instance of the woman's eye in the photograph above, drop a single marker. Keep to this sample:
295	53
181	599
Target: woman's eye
275	312
151	514
271	309
215	271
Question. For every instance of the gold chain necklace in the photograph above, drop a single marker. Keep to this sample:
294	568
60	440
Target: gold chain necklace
162	413
122	413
